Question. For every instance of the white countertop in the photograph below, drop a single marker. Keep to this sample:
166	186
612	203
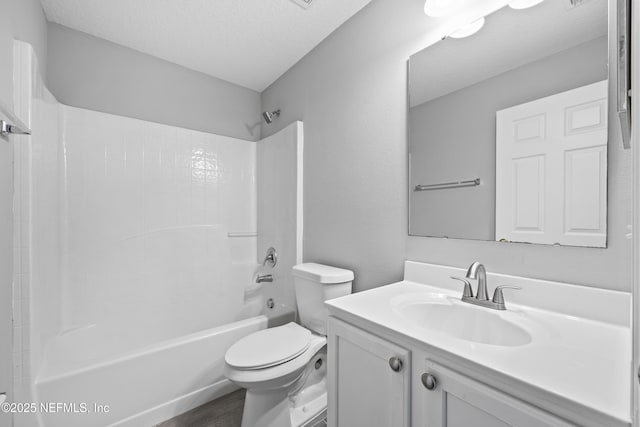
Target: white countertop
581	360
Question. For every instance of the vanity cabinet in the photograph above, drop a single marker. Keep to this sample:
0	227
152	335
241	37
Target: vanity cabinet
370	382
453	400
368	379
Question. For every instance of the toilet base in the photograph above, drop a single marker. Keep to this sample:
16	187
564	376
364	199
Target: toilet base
269	409
299	405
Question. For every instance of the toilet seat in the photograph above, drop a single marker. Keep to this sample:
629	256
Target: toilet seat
279	375
269	347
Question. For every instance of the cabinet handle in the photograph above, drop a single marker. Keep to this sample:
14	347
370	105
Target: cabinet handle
429	381
395	363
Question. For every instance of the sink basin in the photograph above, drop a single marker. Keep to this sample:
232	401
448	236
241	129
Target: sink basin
463	321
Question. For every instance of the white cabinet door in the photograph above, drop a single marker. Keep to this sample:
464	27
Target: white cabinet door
458	401
551	169
364	389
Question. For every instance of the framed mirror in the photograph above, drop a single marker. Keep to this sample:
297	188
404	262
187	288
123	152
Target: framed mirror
508	129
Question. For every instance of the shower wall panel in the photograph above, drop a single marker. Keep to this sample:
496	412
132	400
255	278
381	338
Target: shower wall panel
148	211
280	216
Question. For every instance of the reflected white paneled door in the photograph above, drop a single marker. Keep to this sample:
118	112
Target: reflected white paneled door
551	169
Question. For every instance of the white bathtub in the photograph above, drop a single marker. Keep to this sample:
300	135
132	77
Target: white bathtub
140	388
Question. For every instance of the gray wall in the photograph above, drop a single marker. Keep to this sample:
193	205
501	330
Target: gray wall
89	72
443	151
350	91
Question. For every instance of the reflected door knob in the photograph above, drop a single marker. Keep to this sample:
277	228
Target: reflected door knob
395	363
429	381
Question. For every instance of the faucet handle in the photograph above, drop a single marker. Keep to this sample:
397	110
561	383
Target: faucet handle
468	292
271	259
498	298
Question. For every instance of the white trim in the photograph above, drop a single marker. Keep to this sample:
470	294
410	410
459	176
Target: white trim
300	192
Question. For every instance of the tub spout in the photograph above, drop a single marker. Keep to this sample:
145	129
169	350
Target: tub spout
264	278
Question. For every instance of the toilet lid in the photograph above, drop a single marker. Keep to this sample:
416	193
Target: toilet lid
269	347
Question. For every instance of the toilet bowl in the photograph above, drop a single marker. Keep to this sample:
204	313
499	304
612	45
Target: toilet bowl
284	368
274	382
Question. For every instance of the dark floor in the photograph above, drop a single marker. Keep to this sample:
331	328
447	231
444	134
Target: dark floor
223	412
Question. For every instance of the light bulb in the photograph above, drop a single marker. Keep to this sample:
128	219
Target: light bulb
438	8
523	4
468	30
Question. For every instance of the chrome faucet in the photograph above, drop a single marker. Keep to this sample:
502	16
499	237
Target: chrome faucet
477	271
264	278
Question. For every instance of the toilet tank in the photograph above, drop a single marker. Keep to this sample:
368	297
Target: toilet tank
315	284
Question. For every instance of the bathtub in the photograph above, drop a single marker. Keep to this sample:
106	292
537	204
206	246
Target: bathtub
81	386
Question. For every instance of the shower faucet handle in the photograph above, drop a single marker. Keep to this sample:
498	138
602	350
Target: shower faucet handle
271	259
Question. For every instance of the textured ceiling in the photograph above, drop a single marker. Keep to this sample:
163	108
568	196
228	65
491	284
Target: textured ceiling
247	42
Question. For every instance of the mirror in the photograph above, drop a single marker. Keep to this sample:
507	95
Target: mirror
508	129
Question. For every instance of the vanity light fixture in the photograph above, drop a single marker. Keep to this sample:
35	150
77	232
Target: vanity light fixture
438	8
523	4
468	30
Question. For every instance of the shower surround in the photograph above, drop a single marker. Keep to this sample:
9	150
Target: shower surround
147	214
136	248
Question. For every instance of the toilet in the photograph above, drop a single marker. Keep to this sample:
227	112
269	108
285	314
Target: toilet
284	368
